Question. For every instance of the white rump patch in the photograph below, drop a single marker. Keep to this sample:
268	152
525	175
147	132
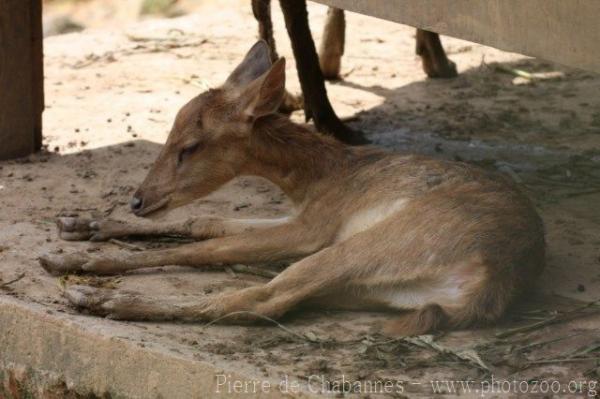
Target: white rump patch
445	292
448	289
367	218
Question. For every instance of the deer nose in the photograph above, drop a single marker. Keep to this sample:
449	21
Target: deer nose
136	204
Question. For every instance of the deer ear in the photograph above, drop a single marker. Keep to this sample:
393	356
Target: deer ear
264	96
255	64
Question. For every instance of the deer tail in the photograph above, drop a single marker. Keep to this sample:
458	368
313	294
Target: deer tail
420	321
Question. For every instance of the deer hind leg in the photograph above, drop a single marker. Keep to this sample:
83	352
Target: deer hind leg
332	43
331	272
123	305
435	62
341	276
81	229
322	271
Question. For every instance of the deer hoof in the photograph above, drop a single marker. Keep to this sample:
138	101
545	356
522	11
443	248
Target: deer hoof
80	229
73	229
64	264
103	230
444	70
83	296
102	302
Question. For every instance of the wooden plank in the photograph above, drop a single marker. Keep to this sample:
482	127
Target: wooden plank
563	31
21	77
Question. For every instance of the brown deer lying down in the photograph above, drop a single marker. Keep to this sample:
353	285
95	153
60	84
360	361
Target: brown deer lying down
312	69
446	243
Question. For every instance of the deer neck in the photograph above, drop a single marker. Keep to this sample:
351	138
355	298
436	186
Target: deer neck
294	158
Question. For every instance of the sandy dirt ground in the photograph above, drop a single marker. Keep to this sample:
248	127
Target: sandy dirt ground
112	93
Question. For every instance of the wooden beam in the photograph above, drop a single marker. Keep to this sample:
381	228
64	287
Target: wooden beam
564	31
21	77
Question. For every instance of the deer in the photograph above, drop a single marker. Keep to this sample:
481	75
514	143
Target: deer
313	69
441	244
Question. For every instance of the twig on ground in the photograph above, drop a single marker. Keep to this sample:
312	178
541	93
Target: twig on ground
584	351
143	45
540	343
514	71
230	272
577	356
14	280
257	271
348	72
173	239
313	340
144	39
558	318
126	245
579	193
107	212
468	356
528	327
564	360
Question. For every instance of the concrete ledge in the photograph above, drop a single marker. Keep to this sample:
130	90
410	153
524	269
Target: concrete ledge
45	354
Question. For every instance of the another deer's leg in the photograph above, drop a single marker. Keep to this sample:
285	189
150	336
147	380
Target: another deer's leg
76	229
435	62
320	273
279	242
316	103
262	13
332	43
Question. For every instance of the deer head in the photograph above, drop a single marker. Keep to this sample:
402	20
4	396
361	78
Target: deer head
208	143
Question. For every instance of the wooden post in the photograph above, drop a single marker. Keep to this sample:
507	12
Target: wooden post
21	77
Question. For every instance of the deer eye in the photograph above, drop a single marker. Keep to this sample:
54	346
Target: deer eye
186	152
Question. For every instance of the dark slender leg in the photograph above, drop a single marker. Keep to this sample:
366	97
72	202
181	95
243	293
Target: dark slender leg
262	13
332	44
435	62
316	103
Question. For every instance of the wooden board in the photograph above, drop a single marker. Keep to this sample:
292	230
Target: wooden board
21	77
564	31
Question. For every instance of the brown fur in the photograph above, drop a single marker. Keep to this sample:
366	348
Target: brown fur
430	318
446	243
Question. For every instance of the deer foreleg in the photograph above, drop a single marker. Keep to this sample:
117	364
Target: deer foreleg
75	229
279	242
